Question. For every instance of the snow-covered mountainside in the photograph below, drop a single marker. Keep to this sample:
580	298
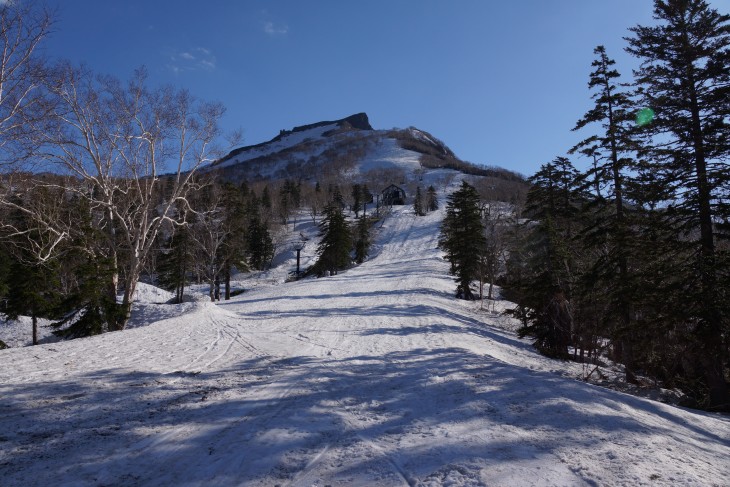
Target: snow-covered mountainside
374	377
349	147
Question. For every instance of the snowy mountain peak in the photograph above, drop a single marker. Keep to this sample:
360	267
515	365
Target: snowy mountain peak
348	146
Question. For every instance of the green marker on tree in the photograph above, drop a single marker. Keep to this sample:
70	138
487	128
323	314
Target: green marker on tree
644	117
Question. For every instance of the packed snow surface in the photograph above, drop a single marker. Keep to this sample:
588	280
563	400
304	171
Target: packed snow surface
373	377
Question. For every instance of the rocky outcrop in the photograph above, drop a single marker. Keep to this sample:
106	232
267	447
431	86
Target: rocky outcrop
359	121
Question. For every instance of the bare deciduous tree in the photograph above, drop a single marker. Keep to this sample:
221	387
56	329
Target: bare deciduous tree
115	141
208	234
23	26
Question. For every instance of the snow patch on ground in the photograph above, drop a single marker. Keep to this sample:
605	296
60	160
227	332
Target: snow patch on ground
149	306
19	333
147	293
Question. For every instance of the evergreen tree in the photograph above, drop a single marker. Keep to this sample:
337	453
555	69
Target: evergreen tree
336	196
245	190
88	306
5	263
265	202
296	194
175	263
233	251
462	238
259	245
285	206
542	266
362	240
336	241
685	78
608	233
289	199
432	202
418	203
367	197
31	286
34	290
357	199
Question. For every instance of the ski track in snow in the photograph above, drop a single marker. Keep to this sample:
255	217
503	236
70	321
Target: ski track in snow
375	376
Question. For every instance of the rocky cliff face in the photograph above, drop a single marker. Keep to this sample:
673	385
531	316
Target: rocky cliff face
359	121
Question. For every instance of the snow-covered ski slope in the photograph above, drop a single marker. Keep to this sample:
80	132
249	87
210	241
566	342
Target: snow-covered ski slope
373	377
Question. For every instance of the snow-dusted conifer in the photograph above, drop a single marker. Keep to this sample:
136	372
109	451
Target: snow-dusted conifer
336	239
462	238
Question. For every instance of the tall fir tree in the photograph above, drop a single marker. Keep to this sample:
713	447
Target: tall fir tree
265	204
362	239
336	241
357	199
432	201
34	291
611	150
542	266
289	199
259	244
418	203
684	77
462	238
233	251
88	306
175	263
367	196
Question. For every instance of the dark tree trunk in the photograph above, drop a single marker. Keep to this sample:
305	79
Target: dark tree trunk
35	329
227	275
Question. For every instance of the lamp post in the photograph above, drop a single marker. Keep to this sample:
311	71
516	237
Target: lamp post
298	247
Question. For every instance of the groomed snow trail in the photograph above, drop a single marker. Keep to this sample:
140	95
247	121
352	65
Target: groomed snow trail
373	377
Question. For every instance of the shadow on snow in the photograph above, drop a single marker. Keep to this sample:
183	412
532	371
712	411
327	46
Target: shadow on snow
268	418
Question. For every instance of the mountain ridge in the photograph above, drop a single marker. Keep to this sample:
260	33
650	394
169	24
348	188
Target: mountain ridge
358	121
350	147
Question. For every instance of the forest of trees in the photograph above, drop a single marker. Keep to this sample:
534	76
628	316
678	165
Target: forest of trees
217	230
639	243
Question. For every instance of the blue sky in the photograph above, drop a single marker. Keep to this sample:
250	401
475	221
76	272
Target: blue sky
500	82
